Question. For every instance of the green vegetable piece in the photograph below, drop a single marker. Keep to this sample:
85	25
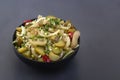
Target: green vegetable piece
53	37
39	50
32	56
60	43
40	59
55	21
22	50
47	51
53	56
19	41
27	54
56	50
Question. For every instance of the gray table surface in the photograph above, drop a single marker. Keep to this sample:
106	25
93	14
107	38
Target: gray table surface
99	23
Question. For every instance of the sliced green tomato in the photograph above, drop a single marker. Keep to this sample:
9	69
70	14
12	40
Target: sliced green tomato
32	56
60	43
56	50
53	37
53	56
19	41
39	50
40	59
22	50
27	54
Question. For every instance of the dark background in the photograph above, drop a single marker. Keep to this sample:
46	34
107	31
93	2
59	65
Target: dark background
99	23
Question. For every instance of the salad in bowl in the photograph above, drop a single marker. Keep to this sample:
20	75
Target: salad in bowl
46	39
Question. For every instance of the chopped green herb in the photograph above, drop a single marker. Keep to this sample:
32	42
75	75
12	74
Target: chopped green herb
47	51
23	44
46	27
55	21
39	36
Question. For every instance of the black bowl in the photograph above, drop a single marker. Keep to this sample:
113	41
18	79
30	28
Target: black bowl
55	64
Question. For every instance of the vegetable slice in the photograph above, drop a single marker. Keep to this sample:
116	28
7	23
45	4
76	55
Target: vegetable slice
75	39
60	43
53	56
45	58
56	50
39	50
22	50
38	43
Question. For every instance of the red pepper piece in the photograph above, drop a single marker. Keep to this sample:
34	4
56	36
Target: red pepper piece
26	21
70	34
46	58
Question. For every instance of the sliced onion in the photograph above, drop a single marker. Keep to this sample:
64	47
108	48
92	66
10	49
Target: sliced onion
41	20
23	31
38	43
33	52
63	27
67	40
51	34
